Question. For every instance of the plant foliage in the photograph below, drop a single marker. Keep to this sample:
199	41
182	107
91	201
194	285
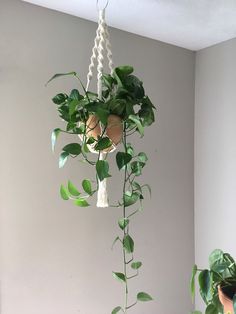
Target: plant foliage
123	95
221	273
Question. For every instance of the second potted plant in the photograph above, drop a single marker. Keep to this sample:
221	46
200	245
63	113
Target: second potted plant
217	285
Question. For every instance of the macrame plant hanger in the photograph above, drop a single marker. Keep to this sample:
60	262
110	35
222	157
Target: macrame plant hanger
101	49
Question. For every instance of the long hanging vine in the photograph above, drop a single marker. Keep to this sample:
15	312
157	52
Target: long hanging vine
99	122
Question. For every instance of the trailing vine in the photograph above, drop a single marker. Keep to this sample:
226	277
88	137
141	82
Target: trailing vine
124	99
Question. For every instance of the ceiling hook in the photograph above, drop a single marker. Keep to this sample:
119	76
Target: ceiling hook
103	7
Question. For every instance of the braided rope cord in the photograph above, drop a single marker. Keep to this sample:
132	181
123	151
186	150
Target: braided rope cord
101	44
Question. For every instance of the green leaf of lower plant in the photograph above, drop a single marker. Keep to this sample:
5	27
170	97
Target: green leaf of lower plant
136	265
54	136
211	309
119	276
102	168
103	143
128	244
215	256
122	159
138	124
62	159
87	186
72	189
73	149
143	296
204	279
81	202
192	282
64	193
130	199
123	223
116	310
196	312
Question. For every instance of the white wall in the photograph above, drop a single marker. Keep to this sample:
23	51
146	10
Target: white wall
56	258
215	151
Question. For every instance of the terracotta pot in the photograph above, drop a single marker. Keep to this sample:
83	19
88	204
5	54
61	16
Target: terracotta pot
114	128
226	302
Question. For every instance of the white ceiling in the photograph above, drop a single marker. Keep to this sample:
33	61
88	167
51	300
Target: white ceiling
192	24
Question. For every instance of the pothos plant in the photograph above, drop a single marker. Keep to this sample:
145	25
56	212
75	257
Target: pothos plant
123	95
220	275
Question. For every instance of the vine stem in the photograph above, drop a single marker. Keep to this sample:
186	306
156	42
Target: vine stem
125	231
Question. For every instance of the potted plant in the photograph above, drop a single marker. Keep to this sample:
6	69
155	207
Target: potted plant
217	285
99	125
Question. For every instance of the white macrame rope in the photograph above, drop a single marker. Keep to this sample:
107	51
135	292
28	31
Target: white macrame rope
101	44
102	196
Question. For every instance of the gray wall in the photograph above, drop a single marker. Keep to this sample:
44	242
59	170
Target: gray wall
56	258
215	151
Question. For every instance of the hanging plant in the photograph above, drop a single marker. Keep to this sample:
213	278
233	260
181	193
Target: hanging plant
100	123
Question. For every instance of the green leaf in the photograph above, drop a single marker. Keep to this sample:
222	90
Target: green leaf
137	186
102	168
220	267
215	256
130	199
73	149
119	276
76	95
128	244
143	297
102	115
59	99
122	159
143	157
116	310
136	167
205	284
123	223
136	265
87	186
211	309
90	141
64	193
107	80
138	123
192	282
62	159
120	73
60	75
114	242
130	149
72	189
149	188
73	104
103	143
81	202
196	312
54	136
